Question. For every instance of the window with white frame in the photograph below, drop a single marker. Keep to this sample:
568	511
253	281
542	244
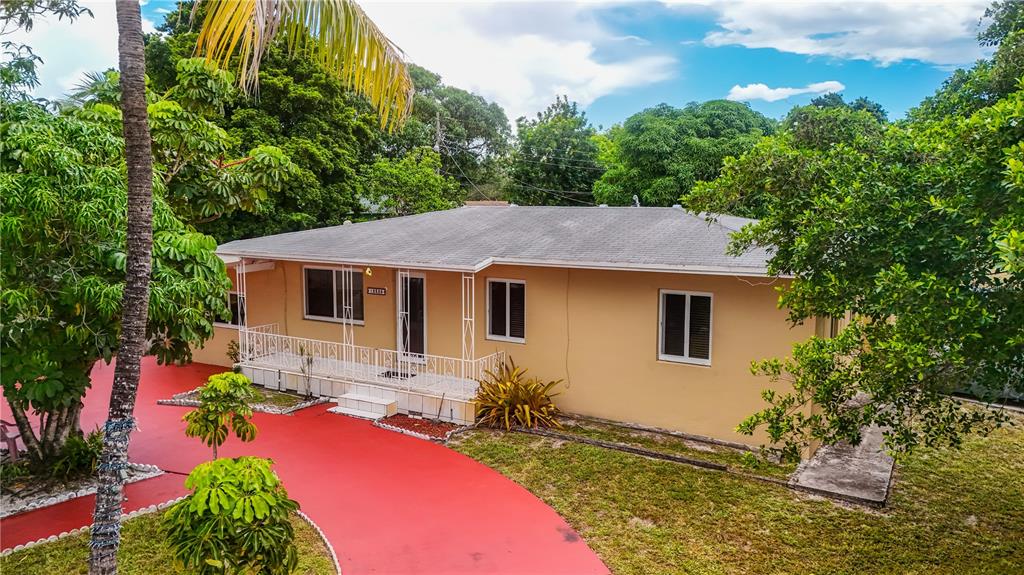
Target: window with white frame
325	299
684	334
506	310
236	305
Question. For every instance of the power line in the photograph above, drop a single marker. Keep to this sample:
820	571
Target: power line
454	146
557	193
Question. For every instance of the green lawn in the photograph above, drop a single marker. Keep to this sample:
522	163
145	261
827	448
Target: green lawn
278	398
951	512
144	552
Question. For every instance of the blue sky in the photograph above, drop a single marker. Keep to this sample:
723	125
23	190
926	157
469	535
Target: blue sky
617	58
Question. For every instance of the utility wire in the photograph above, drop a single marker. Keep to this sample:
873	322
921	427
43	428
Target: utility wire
455	146
562	194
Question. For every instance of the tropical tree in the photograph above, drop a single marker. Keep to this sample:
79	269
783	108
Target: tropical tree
660	153
223	409
346	42
63	230
410	185
236	520
913	230
106	530
554	161
194	157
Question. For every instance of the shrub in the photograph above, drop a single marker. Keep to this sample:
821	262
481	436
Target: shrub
78	457
223	408
234	353
506	398
235	521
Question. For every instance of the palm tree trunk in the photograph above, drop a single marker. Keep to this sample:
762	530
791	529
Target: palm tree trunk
106	529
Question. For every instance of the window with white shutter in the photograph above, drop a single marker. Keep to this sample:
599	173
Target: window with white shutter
506	310
684	331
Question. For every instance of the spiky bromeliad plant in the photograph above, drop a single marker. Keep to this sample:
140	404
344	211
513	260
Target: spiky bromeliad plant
507	398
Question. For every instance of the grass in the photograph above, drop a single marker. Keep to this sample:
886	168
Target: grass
278	398
951	512
144	551
735	459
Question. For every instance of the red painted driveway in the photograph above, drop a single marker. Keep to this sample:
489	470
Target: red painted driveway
388	503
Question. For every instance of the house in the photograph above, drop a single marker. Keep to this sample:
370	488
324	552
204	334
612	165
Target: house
639	310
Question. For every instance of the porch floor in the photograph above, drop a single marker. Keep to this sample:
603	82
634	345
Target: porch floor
402	377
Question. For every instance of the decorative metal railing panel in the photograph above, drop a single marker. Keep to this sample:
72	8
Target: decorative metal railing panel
434	374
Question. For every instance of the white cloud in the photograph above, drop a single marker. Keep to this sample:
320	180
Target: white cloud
519	55
882	31
69	50
763	92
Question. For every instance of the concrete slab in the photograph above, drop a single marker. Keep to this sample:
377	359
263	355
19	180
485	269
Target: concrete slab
857	473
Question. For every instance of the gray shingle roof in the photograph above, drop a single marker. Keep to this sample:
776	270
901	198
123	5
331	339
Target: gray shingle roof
472	237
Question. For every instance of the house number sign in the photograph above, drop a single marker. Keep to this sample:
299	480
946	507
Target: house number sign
377	291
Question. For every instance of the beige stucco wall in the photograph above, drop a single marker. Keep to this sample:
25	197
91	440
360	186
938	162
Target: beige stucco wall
597	330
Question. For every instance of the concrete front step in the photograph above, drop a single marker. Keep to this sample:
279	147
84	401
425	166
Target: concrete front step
354	412
378	406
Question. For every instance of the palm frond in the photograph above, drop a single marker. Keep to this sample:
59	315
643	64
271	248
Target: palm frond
337	33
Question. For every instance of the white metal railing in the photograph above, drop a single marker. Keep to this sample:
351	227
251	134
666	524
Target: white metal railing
411	372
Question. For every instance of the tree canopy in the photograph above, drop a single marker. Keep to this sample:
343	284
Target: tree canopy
554	161
659	154
911	230
62	225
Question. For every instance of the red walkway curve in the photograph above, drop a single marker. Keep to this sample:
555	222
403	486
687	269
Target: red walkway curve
388	503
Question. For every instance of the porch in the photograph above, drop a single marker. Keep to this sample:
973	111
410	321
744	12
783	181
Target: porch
366	381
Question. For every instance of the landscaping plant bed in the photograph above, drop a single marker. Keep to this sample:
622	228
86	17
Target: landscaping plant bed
144	550
270	401
28	492
425	428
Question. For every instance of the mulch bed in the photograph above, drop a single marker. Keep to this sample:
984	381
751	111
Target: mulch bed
435	429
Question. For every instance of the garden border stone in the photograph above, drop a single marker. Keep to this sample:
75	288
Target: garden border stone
161	507
182	400
144	471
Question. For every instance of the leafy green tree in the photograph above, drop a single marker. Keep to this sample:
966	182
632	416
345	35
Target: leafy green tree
554	161
236	520
662	152
474	133
911	229
223	409
195	157
411	184
967	91
62	193
835	100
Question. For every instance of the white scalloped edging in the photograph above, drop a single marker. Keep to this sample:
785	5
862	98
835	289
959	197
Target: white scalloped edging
379	423
327	543
63	534
145	472
180	400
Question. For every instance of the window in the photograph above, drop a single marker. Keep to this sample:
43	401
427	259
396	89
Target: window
236	304
325	297
506	310
685	330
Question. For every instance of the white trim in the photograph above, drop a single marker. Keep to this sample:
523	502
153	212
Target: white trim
483	264
508	309
334	297
686	331
398	323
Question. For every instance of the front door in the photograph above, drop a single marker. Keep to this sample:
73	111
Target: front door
412	315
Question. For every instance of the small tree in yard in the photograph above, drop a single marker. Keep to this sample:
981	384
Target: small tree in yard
223	408
235	521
